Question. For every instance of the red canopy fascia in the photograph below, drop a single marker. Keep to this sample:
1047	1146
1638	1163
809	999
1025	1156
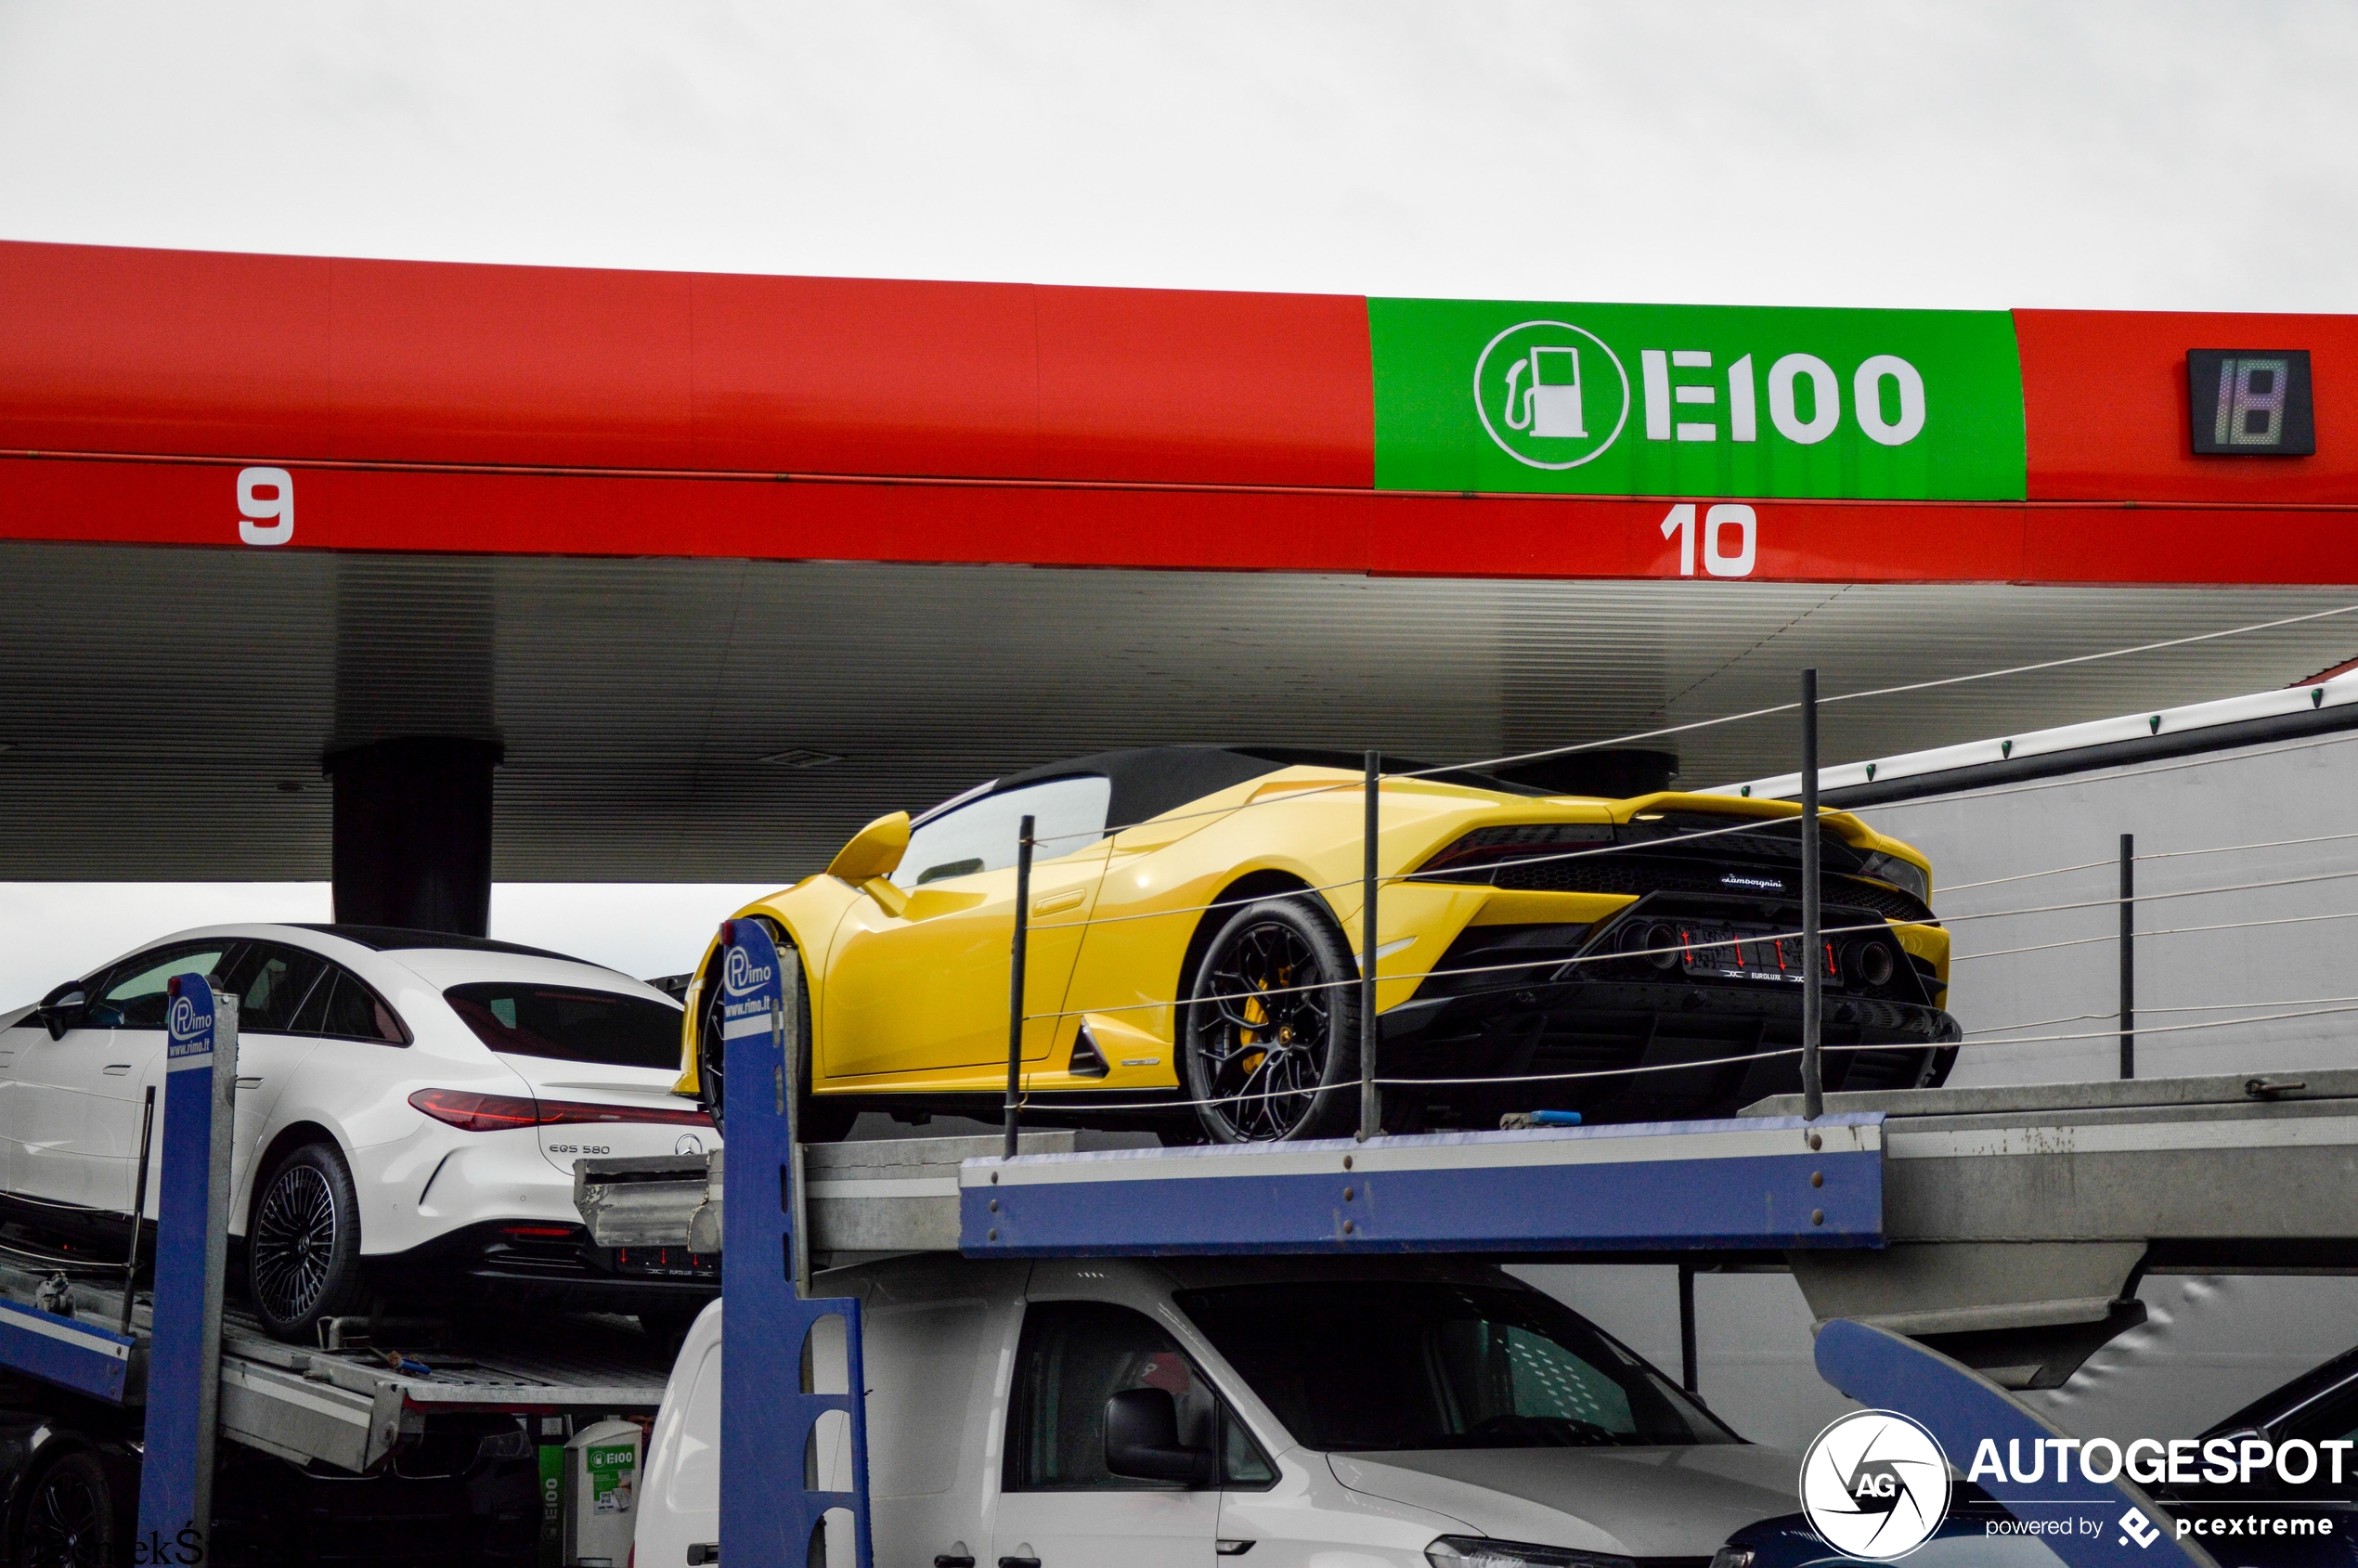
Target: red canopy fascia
440	406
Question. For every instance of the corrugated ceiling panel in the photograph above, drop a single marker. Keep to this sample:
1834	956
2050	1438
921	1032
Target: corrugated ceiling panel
166	710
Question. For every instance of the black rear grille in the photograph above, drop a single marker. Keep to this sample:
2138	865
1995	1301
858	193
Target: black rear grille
1704	1063
1634	875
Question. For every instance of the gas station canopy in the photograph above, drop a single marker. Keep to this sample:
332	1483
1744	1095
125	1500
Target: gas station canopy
718	563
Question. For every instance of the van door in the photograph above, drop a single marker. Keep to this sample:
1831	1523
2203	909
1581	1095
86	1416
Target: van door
1058	1506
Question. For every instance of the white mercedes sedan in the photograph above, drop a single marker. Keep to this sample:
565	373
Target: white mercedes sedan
409	1108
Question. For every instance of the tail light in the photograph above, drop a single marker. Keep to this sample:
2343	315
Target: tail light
473	1112
1479	854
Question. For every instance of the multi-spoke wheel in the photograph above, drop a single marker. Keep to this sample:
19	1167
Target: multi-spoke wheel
302	1251
1271	1028
712	1086
72	1519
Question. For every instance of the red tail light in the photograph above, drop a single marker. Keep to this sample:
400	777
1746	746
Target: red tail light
471	1112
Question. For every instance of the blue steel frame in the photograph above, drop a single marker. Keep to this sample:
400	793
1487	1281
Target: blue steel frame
67	1352
192	1228
1962	1408
769	1422
1754	1184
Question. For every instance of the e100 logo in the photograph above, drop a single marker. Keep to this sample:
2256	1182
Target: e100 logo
1554	394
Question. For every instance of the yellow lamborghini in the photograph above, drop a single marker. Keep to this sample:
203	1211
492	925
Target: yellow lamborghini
1194	933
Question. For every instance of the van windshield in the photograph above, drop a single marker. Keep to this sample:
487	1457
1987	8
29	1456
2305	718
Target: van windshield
570	1024
1362	1366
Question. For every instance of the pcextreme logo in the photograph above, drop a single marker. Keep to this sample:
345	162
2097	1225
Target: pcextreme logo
1696	400
1875	1485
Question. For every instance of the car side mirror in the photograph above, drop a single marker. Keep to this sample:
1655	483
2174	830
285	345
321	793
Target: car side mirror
1142	1440
57	1009
874	850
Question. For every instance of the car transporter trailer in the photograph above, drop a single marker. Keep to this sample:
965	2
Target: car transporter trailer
1956	1244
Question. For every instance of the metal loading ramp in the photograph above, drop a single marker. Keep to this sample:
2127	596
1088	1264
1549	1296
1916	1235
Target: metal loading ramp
341	1407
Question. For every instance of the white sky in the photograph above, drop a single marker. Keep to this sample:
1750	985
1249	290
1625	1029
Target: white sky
2148	155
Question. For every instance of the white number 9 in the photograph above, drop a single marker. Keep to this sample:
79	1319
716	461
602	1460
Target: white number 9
267	519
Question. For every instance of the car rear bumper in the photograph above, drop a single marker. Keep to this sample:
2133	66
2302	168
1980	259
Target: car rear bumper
1621	1050
550	1265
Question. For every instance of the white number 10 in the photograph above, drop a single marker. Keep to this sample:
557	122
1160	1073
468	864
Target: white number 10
265	519
1728	514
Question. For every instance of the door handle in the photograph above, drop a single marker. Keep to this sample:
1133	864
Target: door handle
945	1561
1056	904
1018	1563
116	1069
249	1083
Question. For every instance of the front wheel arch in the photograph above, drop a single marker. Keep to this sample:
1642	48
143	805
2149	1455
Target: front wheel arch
821	1121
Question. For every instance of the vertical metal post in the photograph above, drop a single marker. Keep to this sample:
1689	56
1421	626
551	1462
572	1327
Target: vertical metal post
1015	984
771	1508
1370	1102
139	1202
1813	962
2128	955
1686	1327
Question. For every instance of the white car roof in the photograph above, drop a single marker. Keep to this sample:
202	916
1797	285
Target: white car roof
441	967
437	959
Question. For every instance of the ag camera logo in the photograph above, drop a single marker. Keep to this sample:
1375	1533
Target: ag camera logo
1551	395
1875	1485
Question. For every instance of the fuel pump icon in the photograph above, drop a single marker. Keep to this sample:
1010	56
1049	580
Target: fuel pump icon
1549	405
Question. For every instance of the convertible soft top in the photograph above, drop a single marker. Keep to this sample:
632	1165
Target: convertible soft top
1151	780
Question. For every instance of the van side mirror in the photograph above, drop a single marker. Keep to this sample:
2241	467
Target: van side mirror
874	850
1142	1440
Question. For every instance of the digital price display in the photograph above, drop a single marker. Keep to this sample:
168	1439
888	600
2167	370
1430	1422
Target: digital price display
2251	402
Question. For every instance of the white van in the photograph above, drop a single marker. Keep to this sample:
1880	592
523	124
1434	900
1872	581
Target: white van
1146	1414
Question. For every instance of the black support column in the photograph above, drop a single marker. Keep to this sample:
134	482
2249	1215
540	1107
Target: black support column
412	838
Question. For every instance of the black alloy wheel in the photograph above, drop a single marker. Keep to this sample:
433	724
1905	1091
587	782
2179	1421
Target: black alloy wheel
302	1250
72	1519
1272	1031
711	1086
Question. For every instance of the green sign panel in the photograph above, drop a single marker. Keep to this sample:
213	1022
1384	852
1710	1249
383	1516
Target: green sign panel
1697	400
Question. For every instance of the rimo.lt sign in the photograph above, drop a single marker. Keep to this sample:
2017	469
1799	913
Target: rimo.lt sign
1687	400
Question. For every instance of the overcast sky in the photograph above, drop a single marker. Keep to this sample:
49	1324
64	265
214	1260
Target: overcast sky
2144	154
2149	155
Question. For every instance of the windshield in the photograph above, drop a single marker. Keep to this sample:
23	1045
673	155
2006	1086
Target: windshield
574	1026
1367	1366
